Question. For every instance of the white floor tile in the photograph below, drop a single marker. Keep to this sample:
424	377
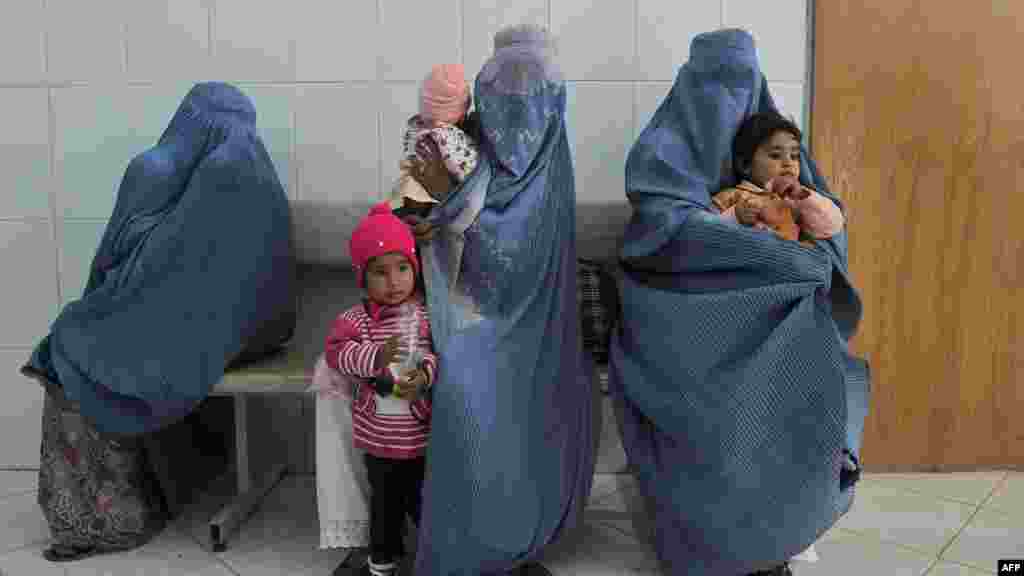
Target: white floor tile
891	531
598	550
611	456
951	569
607	484
169	554
612	551
626	510
989	536
619	494
1009	496
21	522
863	555
194	520
283	536
29	561
562	556
968	488
13	483
925	523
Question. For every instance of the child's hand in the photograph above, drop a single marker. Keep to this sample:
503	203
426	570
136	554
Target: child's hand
787	187
386	355
410	384
779	217
748	211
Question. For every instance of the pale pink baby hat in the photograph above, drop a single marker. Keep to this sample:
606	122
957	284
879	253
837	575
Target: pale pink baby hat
444	96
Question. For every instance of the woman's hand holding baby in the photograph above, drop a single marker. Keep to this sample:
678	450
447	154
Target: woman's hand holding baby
429	169
422	230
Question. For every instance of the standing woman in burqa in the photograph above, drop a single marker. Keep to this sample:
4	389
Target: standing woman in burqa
512	447
740	405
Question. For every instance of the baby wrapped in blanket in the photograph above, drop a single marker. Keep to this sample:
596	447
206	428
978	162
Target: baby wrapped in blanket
766	153
444	102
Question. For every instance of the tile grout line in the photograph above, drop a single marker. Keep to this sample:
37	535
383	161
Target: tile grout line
13	495
974	514
461	7
634	88
211	22
950	499
222	562
592	554
956	535
608	496
938	556
610	526
864	535
124	48
25	546
51	176
380	109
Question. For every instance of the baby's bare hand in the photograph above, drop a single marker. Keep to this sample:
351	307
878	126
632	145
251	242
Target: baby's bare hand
787	187
748	211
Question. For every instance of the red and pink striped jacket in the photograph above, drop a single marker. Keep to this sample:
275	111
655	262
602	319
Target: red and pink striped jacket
387	427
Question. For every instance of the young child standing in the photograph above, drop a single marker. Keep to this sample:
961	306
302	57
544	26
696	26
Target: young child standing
444	102
391	405
766	153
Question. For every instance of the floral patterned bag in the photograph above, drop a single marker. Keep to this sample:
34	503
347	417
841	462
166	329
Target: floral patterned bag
97	495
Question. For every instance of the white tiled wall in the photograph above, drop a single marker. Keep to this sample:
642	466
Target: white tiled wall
84	86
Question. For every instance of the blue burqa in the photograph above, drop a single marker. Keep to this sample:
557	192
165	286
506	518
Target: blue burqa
734	388
511	454
194	270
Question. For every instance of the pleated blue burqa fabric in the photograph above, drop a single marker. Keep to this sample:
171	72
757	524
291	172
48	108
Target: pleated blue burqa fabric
195	269
735	391
511	454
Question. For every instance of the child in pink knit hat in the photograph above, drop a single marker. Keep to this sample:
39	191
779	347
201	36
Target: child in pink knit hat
444	102
383	345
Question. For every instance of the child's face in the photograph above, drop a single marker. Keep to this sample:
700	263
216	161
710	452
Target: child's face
390	279
777	156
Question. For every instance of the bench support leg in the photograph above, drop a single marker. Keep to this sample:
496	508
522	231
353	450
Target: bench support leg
248	497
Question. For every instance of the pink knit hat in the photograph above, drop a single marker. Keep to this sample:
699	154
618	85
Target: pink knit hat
444	96
379	233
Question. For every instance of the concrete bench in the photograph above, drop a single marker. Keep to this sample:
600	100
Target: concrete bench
323	292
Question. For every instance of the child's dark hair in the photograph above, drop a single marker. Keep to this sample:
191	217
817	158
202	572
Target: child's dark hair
753	132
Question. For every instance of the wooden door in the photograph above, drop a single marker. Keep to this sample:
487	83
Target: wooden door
918	121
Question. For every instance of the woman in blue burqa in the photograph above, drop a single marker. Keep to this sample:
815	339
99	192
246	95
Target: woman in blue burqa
174	294
740	405
511	454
